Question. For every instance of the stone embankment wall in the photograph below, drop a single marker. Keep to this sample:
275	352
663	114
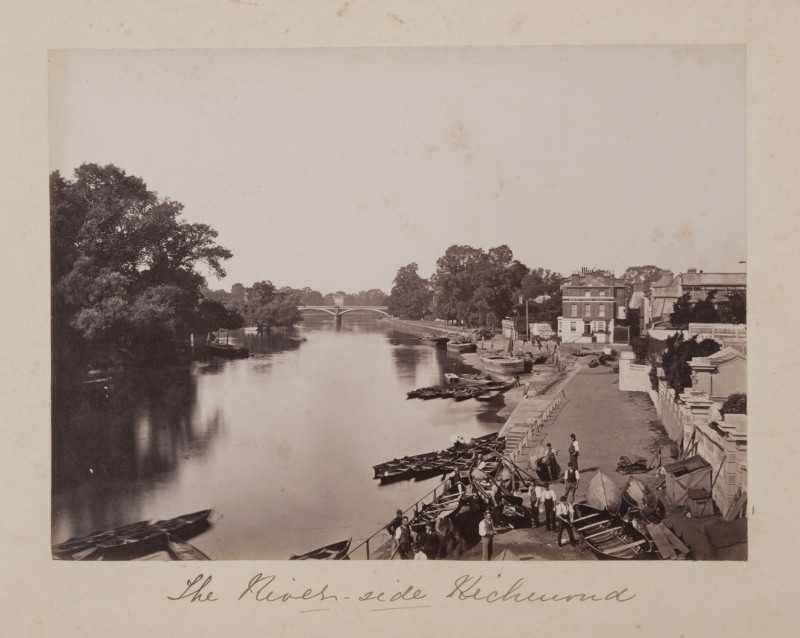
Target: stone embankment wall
693	421
632	376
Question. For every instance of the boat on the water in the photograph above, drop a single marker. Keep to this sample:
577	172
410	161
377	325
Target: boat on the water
334	551
461	344
434	340
135	539
608	536
503	364
227	350
181	550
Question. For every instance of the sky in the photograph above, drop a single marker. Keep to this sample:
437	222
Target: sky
334	168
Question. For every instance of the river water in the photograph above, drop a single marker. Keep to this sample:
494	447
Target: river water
281	445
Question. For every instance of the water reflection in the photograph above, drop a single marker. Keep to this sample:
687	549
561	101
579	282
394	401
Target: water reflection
282	444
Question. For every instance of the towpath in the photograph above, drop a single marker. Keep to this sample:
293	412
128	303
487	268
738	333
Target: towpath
607	423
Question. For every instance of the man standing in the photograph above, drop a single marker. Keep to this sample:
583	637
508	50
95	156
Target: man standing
574	449
550	462
395	523
571	478
486	531
535	492
404	540
430	542
549	498
564	517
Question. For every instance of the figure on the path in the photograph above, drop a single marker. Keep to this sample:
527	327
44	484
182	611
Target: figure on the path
486	531
404	540
564	517
549	499
571	478
574	450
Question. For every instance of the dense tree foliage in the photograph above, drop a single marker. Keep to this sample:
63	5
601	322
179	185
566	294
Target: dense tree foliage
734	309
735	404
475	287
268	307
677	353
411	295
645	275
124	265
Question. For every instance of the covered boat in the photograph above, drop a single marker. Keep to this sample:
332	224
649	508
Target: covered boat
608	536
601	493
503	364
334	551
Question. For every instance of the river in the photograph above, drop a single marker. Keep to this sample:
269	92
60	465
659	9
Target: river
281	445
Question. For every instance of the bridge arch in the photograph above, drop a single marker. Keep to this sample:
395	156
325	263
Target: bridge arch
338	311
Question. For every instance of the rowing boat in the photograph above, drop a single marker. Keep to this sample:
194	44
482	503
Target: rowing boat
135	539
334	551
608	536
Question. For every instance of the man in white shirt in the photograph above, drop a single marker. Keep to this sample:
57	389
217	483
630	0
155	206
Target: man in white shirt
486	531
574	450
564	517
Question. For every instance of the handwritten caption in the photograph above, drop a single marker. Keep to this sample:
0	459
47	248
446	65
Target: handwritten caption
268	588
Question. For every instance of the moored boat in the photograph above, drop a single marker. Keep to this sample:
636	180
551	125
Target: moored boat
135	539
608	536
181	550
334	551
227	350
434	340
503	364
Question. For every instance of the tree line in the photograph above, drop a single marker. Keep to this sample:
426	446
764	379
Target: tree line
476	288
125	274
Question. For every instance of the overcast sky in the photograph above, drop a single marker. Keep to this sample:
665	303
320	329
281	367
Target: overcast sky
333	168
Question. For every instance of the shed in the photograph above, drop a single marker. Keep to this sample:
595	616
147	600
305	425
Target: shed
691	473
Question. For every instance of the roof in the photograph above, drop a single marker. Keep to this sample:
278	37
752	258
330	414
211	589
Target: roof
713	279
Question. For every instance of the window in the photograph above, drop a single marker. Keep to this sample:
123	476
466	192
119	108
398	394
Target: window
573	326
588	293
601	311
574	310
587	310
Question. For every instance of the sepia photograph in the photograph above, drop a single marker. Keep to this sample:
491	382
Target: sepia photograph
410	303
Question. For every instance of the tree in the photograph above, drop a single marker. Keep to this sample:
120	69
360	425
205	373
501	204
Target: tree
734	309
268	307
736	403
682	311
411	294
678	352
454	282
540	281
123	265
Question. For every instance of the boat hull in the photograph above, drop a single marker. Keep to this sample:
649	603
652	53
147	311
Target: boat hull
507	366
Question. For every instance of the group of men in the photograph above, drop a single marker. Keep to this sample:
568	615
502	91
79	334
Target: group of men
558	514
409	544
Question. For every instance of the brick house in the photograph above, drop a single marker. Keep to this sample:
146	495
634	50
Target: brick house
592	300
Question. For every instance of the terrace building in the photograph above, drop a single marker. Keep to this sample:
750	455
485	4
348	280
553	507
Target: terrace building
592	301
